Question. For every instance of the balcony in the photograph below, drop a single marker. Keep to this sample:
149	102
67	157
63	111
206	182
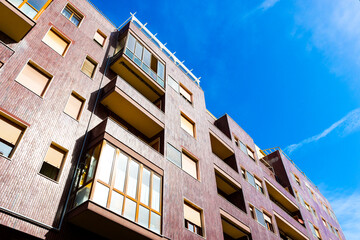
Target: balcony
140	68
233	229
284	202
222	150
133	111
117	191
287	229
13	22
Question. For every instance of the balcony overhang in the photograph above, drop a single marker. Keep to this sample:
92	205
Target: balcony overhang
13	22
275	193
131	111
219	147
233	227
103	222
288	229
137	77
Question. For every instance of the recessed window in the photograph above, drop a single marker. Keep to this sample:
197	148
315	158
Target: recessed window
74	106
186	94
243	147
187	125
193	219
172	83
297	179
56	41
315	231
260	217
189	165
100	37
268	222
258	185
72	14
89	67
324	222
31	8
34	78
313	212
252	211
10	135
53	162
251	153
307	206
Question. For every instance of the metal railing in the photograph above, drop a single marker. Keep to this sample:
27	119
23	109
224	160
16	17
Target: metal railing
271	150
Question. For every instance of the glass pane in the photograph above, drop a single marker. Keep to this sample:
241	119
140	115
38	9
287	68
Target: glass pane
130	209
161	70
101	194
82	195
37	4
94	159
66	12
243	147
116	203
173	155
75	20
260	217
86	168
155	223
143	218
16	3
173	83
139	50
147	57
145	187
105	163
121	163
5	149
155	198
250	178
132	179
28	11
131	43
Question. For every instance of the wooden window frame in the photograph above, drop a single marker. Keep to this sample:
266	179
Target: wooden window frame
102	35
199	230
65	151
60	35
18	123
74	11
190	121
83	100
90	59
181	86
194	159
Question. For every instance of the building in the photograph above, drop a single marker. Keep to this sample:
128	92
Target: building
104	133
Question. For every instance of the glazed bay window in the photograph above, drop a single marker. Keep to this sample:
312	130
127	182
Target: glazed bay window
122	185
10	135
145	60
31	8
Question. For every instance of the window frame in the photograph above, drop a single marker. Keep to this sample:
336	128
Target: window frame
197	228
63	161
93	61
78	97
60	35
192	158
183	115
182	87
39	12
13	120
102	35
75	11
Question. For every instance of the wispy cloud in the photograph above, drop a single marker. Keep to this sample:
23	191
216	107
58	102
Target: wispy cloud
346	206
267	4
350	123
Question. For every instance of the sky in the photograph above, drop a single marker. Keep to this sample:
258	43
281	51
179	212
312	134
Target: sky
287	71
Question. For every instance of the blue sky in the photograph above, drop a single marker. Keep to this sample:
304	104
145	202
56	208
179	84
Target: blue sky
286	70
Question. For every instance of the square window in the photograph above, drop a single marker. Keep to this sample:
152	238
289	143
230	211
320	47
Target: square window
74	106
53	162
72	14
56	41
34	78
100	38
187	125
10	135
186	93
193	220
89	67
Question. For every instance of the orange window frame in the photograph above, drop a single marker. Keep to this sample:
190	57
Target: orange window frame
39	12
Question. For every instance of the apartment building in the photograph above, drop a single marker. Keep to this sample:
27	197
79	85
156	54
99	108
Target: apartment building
104	134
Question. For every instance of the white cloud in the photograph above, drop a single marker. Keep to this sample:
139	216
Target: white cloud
349	123
267	4
347	210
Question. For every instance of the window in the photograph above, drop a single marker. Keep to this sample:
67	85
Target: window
173	155
193	219
260	217
307	206
324	222
145	60
251	153
314	212
268	222
56	41
189	165
252	211
315	231
31	8
34	78
186	94
122	185
88	67
72	14
243	147
236	141
258	185
173	84
100	37
243	173
10	135
296	179
187	125
53	162
74	106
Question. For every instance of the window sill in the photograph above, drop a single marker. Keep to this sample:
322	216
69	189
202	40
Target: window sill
77	120
52	180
